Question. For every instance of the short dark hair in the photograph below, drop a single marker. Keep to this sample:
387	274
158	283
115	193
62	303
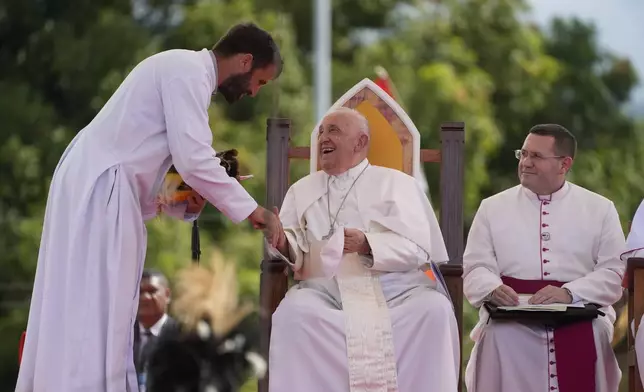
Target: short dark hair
565	141
149	273
250	38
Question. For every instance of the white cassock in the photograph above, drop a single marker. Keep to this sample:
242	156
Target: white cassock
380	328
635	248
571	236
85	296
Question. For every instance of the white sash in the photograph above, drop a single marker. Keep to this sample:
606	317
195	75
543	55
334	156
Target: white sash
369	337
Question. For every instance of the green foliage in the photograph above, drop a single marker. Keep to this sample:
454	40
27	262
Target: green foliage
475	61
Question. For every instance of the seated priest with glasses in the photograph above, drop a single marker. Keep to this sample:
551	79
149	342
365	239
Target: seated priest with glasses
363	316
545	241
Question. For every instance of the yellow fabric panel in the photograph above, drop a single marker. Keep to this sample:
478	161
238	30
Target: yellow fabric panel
386	149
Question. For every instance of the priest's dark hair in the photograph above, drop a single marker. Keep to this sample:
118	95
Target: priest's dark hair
565	141
250	38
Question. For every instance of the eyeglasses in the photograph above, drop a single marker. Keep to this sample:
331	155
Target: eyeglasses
533	155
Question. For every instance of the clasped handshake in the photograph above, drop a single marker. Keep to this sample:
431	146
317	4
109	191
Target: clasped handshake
269	223
355	240
506	296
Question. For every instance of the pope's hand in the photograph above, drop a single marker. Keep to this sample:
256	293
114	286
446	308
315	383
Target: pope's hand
267	221
355	241
551	295
282	243
504	296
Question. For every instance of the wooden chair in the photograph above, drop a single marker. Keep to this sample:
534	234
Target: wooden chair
395	143
635	277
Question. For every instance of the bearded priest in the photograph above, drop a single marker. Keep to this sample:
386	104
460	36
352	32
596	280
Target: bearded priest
92	252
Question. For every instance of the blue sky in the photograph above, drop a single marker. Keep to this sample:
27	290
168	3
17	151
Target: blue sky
620	26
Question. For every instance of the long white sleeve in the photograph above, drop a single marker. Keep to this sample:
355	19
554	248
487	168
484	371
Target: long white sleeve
190	140
603	286
481	273
295	236
395	253
635	240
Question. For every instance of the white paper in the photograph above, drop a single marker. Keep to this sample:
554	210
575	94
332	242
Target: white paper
273	253
524	305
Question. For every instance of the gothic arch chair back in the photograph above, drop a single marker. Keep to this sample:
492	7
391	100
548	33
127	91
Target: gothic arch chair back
395	143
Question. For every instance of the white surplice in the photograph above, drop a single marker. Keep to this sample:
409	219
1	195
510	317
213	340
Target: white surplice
635	248
85	296
635	239
573	236
322	337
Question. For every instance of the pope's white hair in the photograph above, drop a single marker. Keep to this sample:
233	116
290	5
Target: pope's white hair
360	120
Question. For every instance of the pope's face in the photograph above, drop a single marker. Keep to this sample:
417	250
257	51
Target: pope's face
339	143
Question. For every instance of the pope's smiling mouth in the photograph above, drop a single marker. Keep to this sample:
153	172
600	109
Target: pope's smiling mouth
327	150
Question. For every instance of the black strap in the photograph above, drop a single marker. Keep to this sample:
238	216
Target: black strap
196	245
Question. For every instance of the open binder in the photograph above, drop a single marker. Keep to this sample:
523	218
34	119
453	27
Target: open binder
546	317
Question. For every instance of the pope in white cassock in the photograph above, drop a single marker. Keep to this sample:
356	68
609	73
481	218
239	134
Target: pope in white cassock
635	248
555	242
363	316
85	296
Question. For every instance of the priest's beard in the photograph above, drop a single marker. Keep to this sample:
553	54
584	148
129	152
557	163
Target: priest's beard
235	87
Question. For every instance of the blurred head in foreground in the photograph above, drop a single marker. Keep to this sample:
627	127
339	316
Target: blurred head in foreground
215	349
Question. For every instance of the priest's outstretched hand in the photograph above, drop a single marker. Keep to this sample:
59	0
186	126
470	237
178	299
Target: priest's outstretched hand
268	222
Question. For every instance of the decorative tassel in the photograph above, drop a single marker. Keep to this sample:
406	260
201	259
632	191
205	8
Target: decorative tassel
215	348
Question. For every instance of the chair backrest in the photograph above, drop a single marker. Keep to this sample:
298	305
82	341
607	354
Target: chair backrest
394	140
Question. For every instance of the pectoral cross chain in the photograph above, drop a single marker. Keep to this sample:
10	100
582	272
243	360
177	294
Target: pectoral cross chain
328	204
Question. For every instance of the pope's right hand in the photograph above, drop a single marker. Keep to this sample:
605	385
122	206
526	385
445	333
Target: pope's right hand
282	242
504	296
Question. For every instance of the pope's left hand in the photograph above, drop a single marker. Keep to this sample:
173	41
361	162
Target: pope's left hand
196	203
355	242
550	295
